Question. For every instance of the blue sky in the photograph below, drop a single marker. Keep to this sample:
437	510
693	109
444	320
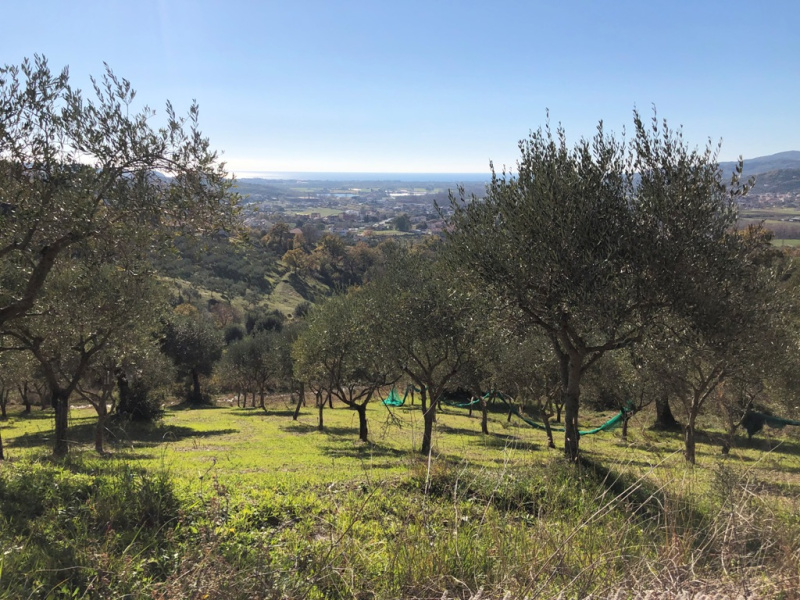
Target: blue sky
432	86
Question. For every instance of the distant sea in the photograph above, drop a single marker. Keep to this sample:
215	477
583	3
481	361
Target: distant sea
405	177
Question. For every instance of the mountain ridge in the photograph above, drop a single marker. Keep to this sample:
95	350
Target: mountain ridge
789	159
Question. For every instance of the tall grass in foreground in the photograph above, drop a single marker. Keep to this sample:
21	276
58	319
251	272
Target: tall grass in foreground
92	528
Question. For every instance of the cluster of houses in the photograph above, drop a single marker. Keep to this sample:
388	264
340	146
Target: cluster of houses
350	215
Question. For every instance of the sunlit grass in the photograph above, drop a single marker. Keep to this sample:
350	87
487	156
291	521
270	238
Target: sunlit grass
257	448
774	210
263	503
786	242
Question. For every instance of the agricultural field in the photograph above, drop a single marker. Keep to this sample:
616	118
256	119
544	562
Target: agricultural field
783	222
322	211
229	502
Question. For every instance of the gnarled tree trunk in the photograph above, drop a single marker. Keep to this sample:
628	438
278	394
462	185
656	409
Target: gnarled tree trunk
196	396
665	420
689	440
428	417
361	409
548	430
571	395
60	401
301	400
99	434
25	397
320	408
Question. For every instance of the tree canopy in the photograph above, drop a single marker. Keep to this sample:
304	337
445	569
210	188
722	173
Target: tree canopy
592	243
339	353
421	321
77	167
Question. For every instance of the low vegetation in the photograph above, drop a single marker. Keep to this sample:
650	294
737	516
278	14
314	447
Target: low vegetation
227	502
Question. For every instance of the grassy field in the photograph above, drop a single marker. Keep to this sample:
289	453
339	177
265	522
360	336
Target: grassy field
780	211
786	242
787	233
227	502
322	210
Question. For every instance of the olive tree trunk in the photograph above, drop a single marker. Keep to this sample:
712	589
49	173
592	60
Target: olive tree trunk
548	430
665	420
361	409
571	395
689	440
484	416
99	434
60	401
301	400
428	417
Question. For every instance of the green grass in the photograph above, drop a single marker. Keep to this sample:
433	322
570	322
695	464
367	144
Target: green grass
241	503
752	213
285	295
786	242
285	298
260	447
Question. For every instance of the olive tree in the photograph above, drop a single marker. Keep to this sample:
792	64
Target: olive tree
84	309
591	242
339	351
522	366
77	167
734	331
420	316
256	362
195	345
10	375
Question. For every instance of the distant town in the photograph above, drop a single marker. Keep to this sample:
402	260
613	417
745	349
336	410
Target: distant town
373	206
357	209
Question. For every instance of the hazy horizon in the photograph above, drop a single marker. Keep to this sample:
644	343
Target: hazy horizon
404	176
361	176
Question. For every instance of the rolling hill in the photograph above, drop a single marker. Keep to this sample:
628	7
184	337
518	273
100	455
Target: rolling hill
777	179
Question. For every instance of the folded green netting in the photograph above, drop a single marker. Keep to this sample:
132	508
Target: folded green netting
753	422
394	399
469	404
613	422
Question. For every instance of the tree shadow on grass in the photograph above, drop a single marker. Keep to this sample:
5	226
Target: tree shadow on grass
258	411
298	427
333	431
124	436
340	431
124	455
770	444
405	408
711	443
443	428
775	488
626	461
643	499
365	451
509	442
186	406
35	415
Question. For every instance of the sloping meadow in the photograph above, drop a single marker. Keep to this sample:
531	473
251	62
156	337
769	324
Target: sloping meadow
239	503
